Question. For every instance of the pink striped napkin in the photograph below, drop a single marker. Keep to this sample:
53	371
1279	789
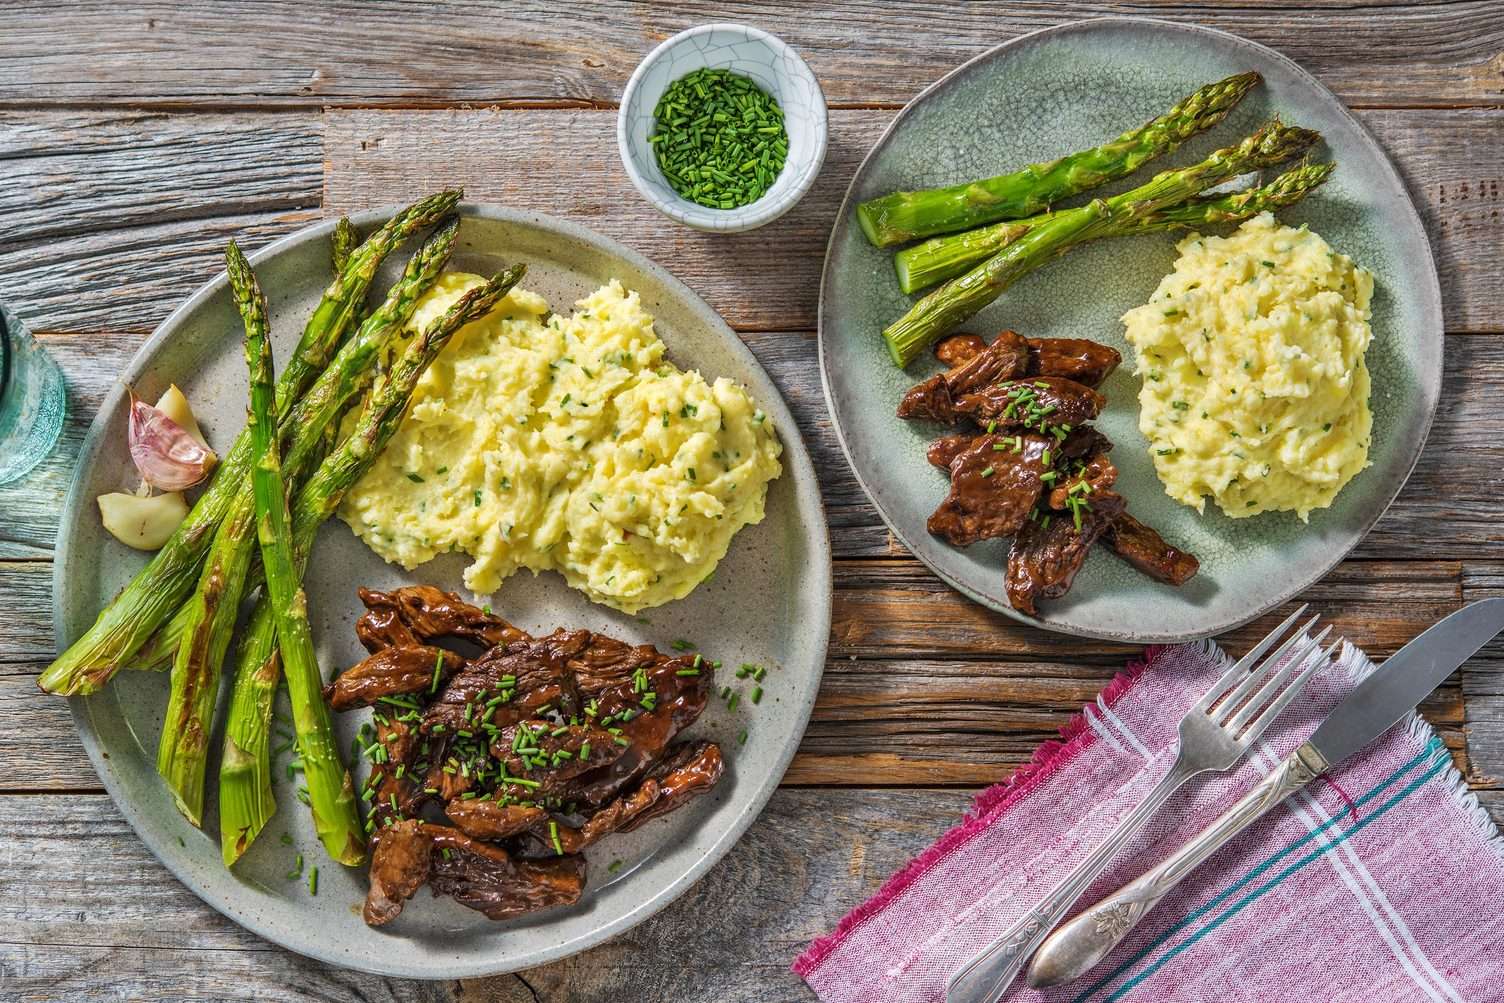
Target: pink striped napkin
1384	882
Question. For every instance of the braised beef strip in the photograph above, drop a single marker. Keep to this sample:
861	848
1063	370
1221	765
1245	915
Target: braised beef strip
1094	474
420	613
1148	552
400	859
1043	403
1048	551
484	876
944	450
488	818
1077	359
409	668
935	399
958	349
689	770
994	483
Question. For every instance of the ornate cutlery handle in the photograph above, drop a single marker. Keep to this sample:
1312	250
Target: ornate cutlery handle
986	976
1078	945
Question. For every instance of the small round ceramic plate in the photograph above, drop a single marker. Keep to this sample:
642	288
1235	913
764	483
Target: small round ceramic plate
768	604
1065	89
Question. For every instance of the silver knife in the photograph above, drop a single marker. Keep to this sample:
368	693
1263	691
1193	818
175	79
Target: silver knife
1389	693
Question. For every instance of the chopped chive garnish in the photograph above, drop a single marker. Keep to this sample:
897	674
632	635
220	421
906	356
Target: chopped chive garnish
719	139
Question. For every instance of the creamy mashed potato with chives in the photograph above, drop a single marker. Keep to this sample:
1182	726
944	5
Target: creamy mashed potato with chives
567	443
1255	391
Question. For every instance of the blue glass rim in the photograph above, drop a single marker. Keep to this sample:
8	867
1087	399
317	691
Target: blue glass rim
4	353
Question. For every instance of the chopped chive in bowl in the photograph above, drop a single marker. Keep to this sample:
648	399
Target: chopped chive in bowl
719	139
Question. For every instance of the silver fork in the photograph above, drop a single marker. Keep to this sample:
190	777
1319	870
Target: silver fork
1214	735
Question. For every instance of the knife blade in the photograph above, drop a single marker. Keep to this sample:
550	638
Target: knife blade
1395	688
1388	693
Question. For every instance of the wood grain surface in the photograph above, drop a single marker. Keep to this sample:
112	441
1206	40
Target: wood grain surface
136	138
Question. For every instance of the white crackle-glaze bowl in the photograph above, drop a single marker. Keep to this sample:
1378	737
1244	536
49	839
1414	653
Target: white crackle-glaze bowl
773	66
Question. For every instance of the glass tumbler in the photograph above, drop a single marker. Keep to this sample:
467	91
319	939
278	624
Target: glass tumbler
33	399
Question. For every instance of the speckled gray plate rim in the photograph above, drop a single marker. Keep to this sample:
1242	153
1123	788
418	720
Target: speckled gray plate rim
784	563
1248	566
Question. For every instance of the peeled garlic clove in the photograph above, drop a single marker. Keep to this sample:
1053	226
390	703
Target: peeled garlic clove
174	404
168	457
143	523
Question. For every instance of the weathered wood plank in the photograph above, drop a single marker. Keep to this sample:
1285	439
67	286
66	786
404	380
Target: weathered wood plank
129	279
158	210
865	52
71	173
26	631
113	217
897	609
1483	693
936	723
130	974
109	907
769	279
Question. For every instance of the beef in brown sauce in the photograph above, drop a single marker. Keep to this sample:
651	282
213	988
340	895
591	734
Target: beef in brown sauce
1048	551
646	727
935	399
1043	404
944	450
417	614
409	668
1077	359
533	747
485	878
1095	474
400	861
1042	390
688	771
959	349
994	483
489	818
1148	552
552	755
551	837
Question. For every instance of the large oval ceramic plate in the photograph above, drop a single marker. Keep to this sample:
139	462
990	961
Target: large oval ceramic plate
1064	89
768	604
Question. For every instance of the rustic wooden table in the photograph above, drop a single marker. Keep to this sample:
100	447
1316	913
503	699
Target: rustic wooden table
136	138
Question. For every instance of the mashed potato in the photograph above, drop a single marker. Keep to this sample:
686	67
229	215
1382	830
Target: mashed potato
1255	392
567	443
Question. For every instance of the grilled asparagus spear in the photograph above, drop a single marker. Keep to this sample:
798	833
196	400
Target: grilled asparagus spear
903	216
941	258
161	587
331	792
939	313
245	796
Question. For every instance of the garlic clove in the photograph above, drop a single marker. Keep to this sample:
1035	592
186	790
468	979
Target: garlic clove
168	457
143	523
174	404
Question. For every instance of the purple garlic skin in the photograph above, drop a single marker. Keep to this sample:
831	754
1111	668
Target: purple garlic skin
167	455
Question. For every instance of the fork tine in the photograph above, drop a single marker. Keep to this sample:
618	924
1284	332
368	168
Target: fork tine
1261	673
1291	692
1232	675
1296	665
